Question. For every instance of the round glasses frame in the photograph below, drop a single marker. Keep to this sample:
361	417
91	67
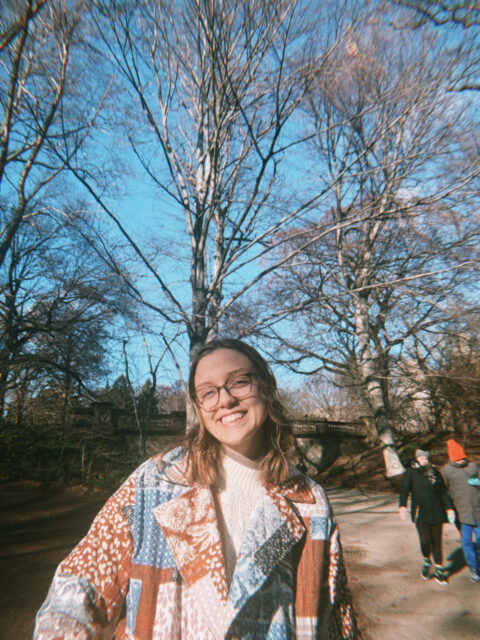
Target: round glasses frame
238	388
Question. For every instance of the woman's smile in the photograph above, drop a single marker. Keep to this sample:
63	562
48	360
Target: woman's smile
233	417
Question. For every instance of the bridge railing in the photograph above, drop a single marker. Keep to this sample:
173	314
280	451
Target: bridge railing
311	427
122	421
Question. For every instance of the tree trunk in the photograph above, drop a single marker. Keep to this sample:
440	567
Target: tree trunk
375	391
196	343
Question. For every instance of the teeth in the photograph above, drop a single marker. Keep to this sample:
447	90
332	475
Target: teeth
232	418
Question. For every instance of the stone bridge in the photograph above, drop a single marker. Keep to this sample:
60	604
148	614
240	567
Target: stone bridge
318	441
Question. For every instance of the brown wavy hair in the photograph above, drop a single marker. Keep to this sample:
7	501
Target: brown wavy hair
204	451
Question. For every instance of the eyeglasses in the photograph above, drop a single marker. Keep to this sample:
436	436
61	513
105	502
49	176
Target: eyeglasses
239	387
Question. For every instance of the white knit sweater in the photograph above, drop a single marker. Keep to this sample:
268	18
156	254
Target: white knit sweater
239	490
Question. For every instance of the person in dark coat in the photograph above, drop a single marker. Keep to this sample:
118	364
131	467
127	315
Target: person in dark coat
429	507
463	485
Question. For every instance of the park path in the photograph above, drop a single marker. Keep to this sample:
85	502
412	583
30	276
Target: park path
38	528
383	562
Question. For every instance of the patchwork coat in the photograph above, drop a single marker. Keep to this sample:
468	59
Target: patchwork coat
151	567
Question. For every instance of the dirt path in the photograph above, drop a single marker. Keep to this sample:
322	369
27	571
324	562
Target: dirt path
383	559
37	530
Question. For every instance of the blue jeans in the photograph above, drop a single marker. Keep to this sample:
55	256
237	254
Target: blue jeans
470	547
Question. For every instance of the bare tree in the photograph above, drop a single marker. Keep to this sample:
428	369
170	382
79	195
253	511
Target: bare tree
438	12
447	368
460	22
213	88
45	112
387	134
57	307
47	116
145	401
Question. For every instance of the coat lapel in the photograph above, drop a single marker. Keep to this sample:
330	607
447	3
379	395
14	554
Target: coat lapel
190	526
274	529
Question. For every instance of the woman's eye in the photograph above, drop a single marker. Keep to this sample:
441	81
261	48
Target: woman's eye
240	382
207	393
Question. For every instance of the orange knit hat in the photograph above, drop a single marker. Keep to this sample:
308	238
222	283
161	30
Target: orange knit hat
455	451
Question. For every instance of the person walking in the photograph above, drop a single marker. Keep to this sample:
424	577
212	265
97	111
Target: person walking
218	538
463	485
430	508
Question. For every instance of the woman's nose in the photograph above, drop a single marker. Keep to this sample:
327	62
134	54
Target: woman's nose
224	397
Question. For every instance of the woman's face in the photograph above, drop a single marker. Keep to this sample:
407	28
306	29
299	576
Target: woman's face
235	422
422	460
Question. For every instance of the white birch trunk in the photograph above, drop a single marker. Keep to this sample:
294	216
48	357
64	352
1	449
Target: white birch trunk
375	393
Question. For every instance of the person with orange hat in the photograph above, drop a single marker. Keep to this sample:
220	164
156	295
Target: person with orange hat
463	484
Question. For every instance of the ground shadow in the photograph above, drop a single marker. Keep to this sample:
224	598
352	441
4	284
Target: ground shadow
455	561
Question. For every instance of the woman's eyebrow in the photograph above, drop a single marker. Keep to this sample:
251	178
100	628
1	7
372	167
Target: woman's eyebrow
208	383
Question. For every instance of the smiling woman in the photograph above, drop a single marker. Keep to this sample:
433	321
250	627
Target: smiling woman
219	537
236	401
233	412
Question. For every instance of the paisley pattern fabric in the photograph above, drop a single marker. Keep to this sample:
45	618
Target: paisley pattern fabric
151	567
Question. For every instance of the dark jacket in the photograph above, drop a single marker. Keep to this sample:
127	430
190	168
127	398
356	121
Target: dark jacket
465	497
429	499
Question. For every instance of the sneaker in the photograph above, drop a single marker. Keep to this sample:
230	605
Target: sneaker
474	575
426	569
440	577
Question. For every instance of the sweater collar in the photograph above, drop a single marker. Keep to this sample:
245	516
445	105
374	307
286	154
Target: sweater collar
239	472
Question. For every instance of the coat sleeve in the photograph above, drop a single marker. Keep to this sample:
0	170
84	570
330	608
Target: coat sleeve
442	490
472	470
86	596
405	489
445	476
343	624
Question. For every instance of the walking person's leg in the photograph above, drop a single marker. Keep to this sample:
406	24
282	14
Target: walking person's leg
436	533
476	544
475	575
469	550
425	538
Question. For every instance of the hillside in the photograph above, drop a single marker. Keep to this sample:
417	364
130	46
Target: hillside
365	470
